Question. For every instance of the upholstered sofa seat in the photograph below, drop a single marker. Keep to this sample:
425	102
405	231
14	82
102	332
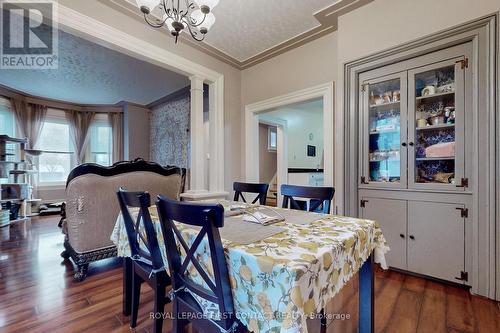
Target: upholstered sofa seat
92	206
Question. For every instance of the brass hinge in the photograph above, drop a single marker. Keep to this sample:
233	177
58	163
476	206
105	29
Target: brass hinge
363	86
362	203
464	63
363	180
464	212
464	182
464	276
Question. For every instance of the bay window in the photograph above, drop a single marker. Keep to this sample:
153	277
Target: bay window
55	141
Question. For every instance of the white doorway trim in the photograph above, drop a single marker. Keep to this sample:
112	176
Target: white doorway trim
252	111
281	151
81	25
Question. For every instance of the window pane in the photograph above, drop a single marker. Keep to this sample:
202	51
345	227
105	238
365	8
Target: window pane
273	139
103	159
54	167
54	136
101	144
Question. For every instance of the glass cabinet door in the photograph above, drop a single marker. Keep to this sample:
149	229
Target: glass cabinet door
436	126
384	131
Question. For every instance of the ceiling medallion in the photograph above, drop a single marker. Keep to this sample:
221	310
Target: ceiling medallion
195	15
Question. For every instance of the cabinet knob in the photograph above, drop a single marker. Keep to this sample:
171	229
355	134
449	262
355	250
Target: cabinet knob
403	144
401	235
412	237
411	144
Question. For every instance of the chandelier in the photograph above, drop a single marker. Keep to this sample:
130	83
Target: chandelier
195	15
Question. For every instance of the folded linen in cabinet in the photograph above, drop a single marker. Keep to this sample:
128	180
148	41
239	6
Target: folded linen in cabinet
444	149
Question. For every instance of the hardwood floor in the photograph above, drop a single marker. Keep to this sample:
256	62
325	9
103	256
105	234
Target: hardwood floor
37	294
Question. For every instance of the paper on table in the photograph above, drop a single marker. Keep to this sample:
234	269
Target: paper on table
261	218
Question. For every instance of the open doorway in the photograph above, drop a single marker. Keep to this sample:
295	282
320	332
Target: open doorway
262	112
295	133
268	161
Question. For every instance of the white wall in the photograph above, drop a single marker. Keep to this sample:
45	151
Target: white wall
306	66
309	65
300	124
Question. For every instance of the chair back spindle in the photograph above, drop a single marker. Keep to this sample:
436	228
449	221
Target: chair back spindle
260	189
140	231
320	197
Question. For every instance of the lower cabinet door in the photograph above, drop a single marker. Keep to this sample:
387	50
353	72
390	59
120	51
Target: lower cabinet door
391	215
436	239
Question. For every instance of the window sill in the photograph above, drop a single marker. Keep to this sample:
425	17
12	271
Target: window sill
52	186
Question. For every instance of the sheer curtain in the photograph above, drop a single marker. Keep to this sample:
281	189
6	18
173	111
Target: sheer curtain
29	118
116	121
80	122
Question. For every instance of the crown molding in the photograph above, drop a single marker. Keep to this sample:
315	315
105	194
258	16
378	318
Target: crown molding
327	18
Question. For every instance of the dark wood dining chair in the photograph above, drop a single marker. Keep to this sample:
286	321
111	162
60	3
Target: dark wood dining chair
216	289
320	197
147	263
261	189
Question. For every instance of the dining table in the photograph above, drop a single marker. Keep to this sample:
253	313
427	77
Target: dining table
285	272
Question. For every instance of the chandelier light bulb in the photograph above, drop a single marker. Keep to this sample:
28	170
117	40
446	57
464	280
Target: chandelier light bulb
202	21
168	23
209	3
147	6
207	24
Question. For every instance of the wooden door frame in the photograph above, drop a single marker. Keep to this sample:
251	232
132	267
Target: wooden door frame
252	111
281	151
485	273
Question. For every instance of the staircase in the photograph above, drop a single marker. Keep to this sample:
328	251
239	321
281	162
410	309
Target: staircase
272	193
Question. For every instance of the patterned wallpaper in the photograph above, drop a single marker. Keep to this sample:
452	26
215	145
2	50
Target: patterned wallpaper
170	133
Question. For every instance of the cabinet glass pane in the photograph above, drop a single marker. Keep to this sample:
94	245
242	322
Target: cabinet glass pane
435	126
384	125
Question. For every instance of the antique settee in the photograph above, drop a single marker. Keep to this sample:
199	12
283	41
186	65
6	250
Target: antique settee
91	206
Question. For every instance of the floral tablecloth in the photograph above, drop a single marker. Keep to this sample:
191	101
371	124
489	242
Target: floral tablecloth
280	281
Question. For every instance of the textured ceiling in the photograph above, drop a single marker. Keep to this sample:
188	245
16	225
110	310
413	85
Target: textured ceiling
92	74
245	28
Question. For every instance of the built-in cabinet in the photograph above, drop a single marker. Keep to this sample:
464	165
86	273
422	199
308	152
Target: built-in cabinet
393	226
414	155
425	237
435	239
413	128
